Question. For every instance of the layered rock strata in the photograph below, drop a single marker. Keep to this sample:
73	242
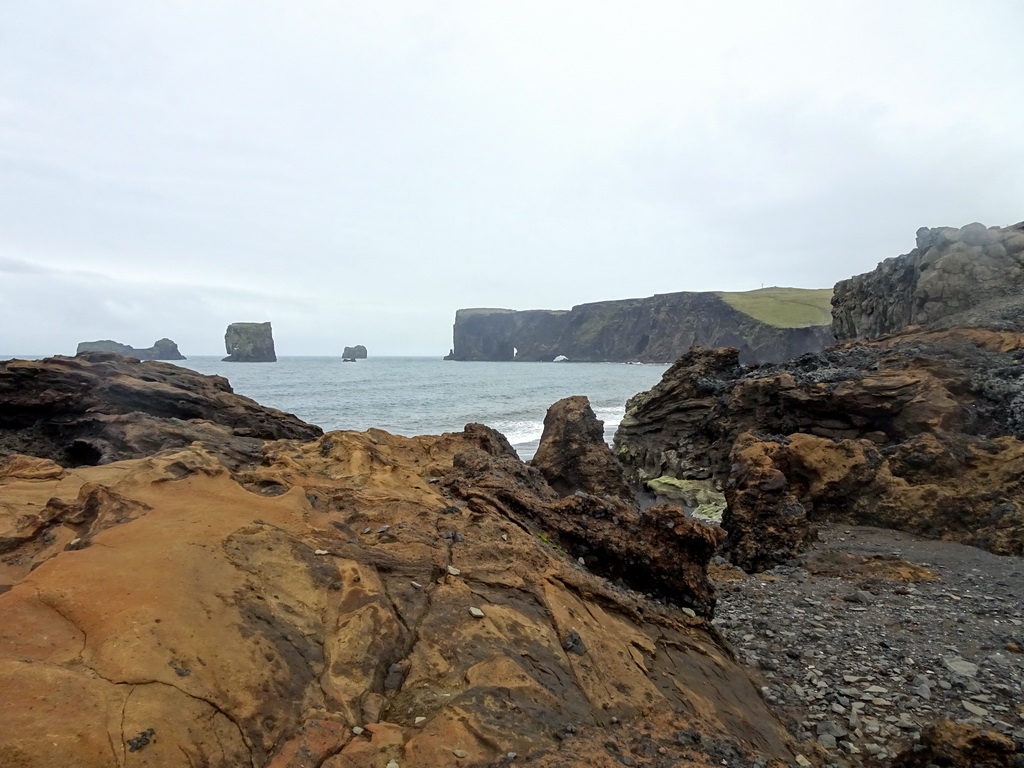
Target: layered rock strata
98	407
249	343
922	435
654	329
967	277
351	601
162	349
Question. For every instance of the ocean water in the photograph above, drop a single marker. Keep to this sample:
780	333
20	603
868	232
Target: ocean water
427	395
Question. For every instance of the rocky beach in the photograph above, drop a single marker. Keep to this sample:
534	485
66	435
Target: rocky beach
188	578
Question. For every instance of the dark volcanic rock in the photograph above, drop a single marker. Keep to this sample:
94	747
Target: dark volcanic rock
101	407
655	329
967	277
249	343
358	352
573	455
922	435
661	551
162	349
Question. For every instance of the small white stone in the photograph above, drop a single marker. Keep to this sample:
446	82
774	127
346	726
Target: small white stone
802	761
504	537
581	561
689	612
476	612
419	720
319	551
416	585
453	570
459	752
357	730
393	764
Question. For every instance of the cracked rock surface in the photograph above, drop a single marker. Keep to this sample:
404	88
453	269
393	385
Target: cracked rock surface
314	610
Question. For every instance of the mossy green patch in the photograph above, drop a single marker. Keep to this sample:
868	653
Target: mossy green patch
783	307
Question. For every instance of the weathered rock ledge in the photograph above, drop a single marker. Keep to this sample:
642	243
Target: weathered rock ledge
99	407
923	434
354	600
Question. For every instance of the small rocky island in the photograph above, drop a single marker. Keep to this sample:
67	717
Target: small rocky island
249	343
769	324
351	354
162	349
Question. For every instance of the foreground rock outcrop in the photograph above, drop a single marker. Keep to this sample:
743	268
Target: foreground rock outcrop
350	601
922	434
967	277
249	343
768	324
98	407
162	349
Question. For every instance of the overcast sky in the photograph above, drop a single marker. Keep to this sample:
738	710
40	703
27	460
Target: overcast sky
355	172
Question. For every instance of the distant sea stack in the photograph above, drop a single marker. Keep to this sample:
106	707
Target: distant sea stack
358	352
249	343
162	349
972	277
766	325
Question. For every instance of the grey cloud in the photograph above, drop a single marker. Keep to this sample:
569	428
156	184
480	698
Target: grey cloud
356	172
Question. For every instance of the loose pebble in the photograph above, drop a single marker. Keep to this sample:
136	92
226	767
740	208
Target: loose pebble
476	612
453	570
858	666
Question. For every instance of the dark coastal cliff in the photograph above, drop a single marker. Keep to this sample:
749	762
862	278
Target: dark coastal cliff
972	277
766	325
162	349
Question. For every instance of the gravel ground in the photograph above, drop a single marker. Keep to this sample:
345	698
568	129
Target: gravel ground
875	633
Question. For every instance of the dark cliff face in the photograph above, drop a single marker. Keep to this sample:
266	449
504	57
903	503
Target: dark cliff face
967	277
249	343
655	329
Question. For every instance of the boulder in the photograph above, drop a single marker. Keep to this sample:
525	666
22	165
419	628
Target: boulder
921	433
249	343
954	278
358	352
573	455
315	609
162	349
961	745
100	407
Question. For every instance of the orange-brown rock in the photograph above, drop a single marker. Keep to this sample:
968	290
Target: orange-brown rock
960	745
166	612
766	523
100	407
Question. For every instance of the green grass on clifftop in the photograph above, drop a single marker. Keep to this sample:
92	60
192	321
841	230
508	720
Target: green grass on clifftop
784	307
